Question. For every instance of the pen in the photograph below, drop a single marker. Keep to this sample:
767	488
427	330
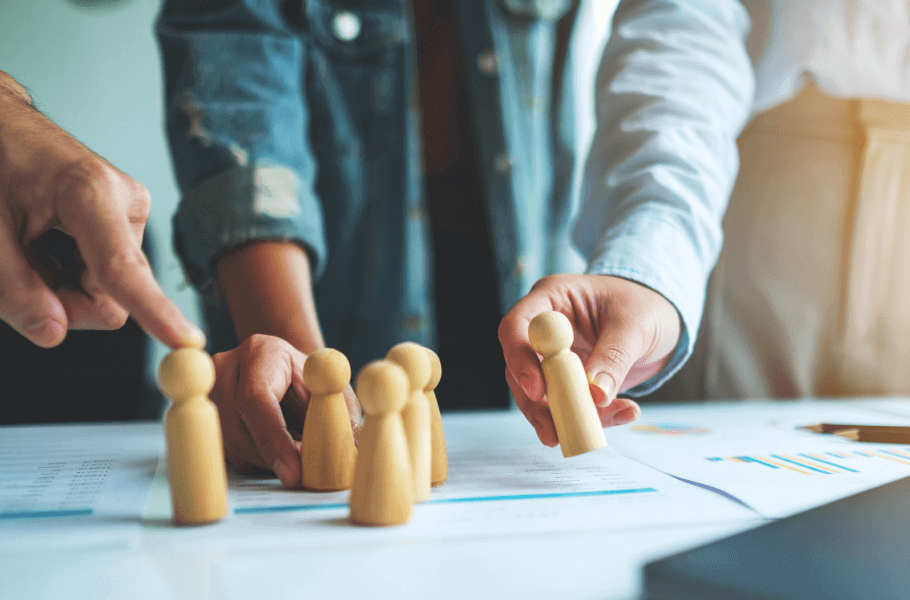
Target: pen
883	434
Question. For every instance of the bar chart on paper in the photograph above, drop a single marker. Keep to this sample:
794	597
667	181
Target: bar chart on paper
759	453
825	463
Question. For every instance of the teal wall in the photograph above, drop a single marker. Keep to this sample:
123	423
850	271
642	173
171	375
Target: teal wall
96	72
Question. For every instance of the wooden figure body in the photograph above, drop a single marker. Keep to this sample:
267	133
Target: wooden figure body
439	463
195	455
571	403
327	452
415	361
383	487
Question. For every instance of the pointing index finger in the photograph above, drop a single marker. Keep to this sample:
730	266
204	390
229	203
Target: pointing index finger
94	214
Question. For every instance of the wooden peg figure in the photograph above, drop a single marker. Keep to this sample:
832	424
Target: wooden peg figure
439	463
382	493
415	361
195	455
327	452
571	403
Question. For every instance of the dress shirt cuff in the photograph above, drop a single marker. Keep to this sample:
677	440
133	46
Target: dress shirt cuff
244	204
657	254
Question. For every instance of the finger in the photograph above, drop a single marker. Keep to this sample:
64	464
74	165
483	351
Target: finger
354	409
620	412
537	413
101	313
238	444
611	358
522	363
263	381
26	302
94	217
293	411
68	282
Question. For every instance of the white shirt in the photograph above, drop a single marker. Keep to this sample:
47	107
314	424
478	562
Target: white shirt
851	48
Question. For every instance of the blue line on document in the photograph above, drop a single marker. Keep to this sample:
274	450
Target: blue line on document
41	514
536	496
761	462
247	510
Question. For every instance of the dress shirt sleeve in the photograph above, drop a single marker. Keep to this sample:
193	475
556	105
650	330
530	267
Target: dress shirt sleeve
674	89
236	123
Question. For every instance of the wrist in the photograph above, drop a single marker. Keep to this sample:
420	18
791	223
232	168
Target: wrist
268	289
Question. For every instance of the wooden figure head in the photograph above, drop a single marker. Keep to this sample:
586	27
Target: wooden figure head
414	359
435	371
327	371
382	387
186	373
550	333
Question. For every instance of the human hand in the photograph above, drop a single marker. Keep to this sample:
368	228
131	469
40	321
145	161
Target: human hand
48	180
253	382
624	335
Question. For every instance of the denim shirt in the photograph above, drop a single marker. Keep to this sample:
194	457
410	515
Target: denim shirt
298	121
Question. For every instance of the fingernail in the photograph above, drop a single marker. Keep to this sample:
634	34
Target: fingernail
282	470
46	333
524	380
605	384
626	415
192	337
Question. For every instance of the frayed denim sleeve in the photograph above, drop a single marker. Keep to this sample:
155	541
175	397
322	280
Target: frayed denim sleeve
236	123
674	90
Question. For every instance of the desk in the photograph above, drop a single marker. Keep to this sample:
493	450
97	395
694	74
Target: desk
515	519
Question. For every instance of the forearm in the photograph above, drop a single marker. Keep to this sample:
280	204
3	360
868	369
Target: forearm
671	102
267	286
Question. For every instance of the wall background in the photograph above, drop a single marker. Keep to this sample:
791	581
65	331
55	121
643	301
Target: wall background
94	70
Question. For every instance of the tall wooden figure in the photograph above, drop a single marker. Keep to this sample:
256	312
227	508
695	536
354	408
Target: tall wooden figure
439	463
382	491
571	404
415	361
195	454
327	453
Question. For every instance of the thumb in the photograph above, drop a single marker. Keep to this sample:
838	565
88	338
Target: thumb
26	302
610	361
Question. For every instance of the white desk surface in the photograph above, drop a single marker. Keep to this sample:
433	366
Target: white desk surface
84	509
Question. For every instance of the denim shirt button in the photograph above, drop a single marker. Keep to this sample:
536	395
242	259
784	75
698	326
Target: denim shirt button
346	26
502	164
488	63
413	322
521	266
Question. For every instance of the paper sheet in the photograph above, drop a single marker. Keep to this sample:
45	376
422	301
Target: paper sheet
894	406
514	516
602	564
756	453
75	486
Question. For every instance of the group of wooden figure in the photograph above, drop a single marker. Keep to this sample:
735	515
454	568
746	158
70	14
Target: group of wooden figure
401	451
